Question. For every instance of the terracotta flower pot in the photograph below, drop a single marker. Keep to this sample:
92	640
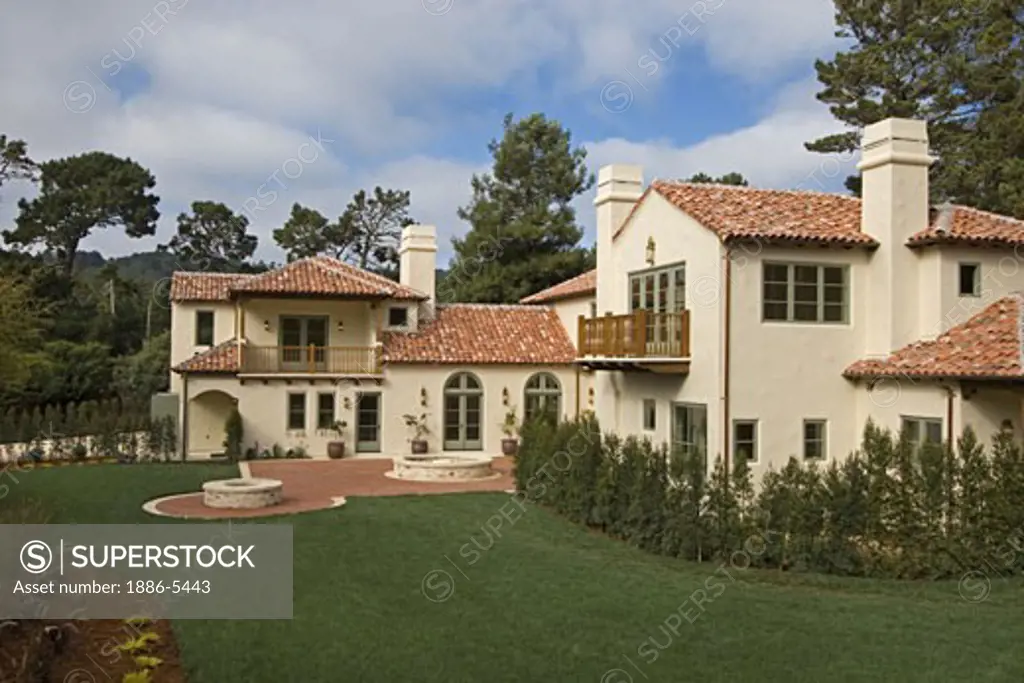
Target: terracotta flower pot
419	446
509	446
335	450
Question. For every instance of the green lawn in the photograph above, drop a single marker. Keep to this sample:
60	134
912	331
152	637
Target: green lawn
550	602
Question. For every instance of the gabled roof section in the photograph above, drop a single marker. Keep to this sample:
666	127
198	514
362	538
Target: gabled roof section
584	284
987	346
322	276
484	334
222	358
965	225
785	216
189	286
800	217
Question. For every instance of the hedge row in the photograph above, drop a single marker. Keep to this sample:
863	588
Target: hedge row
125	440
889	510
73	419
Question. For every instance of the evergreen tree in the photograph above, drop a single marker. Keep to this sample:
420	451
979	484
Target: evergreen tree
212	238
957	64
523	235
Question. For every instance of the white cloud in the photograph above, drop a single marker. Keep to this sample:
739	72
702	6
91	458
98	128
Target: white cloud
235	87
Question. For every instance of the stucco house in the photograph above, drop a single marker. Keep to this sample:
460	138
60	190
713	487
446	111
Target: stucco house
318	340
766	324
740	322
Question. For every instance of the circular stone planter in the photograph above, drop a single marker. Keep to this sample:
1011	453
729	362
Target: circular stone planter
238	494
442	468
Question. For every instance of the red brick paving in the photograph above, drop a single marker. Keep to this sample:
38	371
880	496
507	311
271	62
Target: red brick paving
311	485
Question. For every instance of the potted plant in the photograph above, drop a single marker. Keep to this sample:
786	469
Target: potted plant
510	428
336	448
418	425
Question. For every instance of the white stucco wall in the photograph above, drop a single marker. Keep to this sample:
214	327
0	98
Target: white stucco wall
782	372
678	238
569	311
264	405
183	330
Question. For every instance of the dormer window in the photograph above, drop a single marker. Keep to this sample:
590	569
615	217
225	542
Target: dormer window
398	316
970	279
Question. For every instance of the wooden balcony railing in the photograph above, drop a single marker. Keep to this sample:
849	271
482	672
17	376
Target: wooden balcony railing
640	334
321	360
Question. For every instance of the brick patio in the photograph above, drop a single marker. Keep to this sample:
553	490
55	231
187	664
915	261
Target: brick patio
315	484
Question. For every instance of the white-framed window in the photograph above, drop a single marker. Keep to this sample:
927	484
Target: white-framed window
921	430
204	328
805	293
815	439
744	441
398	316
650	409
970	279
661	290
296	415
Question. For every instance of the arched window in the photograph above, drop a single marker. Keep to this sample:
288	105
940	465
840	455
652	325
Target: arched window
463	406
542	397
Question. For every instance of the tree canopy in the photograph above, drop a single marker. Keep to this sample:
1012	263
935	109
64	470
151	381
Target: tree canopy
958	64
732	178
213	238
81	193
523	233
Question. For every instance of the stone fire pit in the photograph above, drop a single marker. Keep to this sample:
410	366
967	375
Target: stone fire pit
442	468
242	493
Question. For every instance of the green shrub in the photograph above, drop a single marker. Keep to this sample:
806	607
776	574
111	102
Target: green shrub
892	509
234	431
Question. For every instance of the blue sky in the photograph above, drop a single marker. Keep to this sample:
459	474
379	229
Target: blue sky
311	100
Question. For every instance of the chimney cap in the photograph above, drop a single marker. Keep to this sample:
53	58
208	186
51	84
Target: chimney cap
620	173
896	129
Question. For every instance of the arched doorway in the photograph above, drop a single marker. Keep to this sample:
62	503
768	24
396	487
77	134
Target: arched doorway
463	406
208	412
542	397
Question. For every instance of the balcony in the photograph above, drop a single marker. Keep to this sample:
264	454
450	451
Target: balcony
639	341
311	360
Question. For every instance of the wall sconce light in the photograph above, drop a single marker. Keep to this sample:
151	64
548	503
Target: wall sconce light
590	396
266	326
504	396
347	403
423	396
649	253
341	326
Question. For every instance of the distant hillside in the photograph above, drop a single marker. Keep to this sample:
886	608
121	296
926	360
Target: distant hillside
143	265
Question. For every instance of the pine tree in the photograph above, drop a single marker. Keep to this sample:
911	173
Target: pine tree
523	235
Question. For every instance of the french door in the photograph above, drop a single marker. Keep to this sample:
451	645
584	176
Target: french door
463	403
660	292
298	334
690	429
368	422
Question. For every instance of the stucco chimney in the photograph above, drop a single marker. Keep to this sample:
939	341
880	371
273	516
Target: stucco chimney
894	205
619	186
417	256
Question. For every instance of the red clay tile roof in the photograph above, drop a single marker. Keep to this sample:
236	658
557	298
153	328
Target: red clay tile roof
325	276
735	212
484	334
584	284
962	224
986	346
221	358
204	286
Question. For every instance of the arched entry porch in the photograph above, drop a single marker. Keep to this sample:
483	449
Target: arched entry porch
208	412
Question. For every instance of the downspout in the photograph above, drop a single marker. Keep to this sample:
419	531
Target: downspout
726	361
949	416
577	391
184	417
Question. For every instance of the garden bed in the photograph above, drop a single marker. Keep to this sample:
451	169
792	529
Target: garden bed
83	651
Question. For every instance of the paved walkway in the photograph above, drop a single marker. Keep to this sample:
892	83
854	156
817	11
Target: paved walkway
319	484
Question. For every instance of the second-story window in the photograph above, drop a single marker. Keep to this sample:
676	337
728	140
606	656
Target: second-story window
801	292
970	279
398	317
204	328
